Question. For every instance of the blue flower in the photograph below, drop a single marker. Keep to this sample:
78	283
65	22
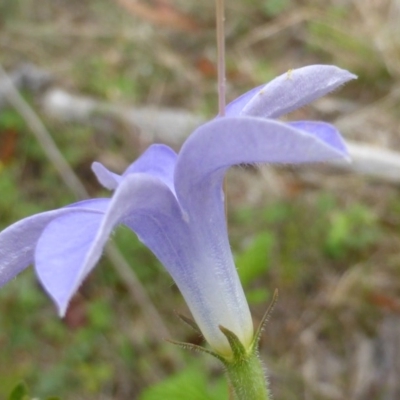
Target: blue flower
175	204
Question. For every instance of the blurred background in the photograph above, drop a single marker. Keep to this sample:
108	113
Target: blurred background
107	78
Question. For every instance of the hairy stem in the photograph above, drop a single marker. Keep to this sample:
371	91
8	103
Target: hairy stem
247	379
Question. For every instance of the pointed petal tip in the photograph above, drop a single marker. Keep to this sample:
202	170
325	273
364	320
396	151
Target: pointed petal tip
330	69
106	178
332	75
61	302
290	91
62	310
353	76
343	158
349	75
341	155
346	158
95	165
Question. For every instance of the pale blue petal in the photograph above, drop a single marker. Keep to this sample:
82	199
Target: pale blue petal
158	161
71	245
60	254
202	162
234	108
323	131
199	172
223	142
106	178
289	91
199	261
18	241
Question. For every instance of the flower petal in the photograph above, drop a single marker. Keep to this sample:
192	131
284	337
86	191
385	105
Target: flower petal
203	270
199	172
106	178
158	160
289	91
224	142
71	245
18	241
200	262
202	162
61	251
322	130
234	108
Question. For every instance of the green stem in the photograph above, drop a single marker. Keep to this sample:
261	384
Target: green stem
245	370
247	379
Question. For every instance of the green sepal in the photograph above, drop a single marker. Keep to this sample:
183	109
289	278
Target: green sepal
190	322
264	320
238	350
195	347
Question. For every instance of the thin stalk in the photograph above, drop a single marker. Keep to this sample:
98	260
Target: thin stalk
220	18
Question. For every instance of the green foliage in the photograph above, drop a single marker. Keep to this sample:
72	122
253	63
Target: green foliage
253	263
9	119
294	237
192	383
101	79
68	358
94	375
100	315
20	392
352	229
273	8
